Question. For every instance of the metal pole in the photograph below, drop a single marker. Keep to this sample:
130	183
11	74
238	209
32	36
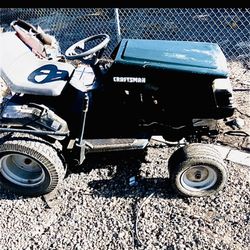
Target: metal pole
117	22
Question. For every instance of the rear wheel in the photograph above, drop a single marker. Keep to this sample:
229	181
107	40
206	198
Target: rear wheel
29	165
197	170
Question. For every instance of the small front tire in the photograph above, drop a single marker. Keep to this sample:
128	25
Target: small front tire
197	170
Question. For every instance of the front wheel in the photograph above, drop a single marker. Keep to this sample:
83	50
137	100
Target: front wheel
29	166
197	170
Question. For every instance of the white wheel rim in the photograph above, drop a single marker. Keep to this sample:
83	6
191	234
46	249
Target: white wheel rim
198	178
21	170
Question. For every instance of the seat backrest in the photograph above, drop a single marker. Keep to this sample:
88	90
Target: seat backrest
28	35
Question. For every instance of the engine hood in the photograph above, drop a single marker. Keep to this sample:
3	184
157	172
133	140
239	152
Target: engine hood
190	56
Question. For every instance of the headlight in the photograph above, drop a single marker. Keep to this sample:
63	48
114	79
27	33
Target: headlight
223	92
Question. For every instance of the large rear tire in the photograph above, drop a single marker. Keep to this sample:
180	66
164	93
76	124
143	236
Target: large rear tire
29	165
197	170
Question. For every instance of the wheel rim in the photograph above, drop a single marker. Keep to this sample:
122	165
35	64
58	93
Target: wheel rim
22	170
198	178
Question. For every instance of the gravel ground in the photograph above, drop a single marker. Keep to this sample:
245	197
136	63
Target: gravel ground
95	208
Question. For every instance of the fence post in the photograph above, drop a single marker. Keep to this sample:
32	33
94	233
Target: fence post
117	22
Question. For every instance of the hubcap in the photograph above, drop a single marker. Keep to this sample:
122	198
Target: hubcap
22	170
198	178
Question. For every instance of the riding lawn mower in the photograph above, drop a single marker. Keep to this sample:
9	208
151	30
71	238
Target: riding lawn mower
64	107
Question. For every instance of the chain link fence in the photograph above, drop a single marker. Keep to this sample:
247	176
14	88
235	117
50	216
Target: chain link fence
229	27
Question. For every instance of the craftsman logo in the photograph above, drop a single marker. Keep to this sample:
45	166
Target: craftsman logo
129	79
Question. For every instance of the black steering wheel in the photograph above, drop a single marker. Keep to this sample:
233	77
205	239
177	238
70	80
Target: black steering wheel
77	51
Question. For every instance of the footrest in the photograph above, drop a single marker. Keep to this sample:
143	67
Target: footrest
114	144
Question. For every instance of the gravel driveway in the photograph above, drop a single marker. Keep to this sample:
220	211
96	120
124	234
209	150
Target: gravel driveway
97	209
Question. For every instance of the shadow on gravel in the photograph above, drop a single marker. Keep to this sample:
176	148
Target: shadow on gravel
145	187
6	195
123	177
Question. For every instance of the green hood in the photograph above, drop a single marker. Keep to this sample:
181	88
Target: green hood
195	57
